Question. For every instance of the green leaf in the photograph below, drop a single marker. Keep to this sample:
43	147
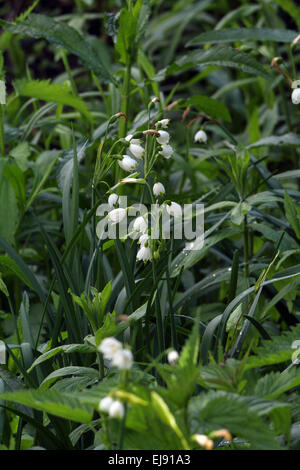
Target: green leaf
275	384
219	410
220	55
243	34
8	210
46	91
274	140
275	351
292	213
21	153
88	372
53	402
209	106
3	287
62	35
109	328
66	349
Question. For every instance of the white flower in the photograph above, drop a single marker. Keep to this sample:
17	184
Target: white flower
143	239
116	410
127	163
131	140
144	254
109	347
117	215
105	404
163	123
158	189
174	209
200	136
123	359
166	151
136	150
140	224
163	137
113	199
173	357
296	96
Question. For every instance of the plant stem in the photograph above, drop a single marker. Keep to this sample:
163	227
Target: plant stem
2	143
125	96
246	247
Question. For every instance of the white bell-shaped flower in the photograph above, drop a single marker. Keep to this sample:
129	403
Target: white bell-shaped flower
144	254
105	404
109	347
123	359
296	96
136	150
127	163
117	215
113	200
200	136
158	189
174	209
140	225
166	151
143	240
163	123
117	410
163	137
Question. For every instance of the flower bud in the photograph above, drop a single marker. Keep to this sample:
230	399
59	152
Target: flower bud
113	200
173	357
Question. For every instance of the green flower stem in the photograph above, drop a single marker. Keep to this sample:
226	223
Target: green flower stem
246	247
2	144
125	99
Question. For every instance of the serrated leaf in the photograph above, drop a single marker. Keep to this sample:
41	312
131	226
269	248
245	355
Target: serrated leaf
62	35
53	402
218	410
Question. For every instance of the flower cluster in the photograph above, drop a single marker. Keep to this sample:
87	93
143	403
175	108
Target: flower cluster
114	408
113	350
129	163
